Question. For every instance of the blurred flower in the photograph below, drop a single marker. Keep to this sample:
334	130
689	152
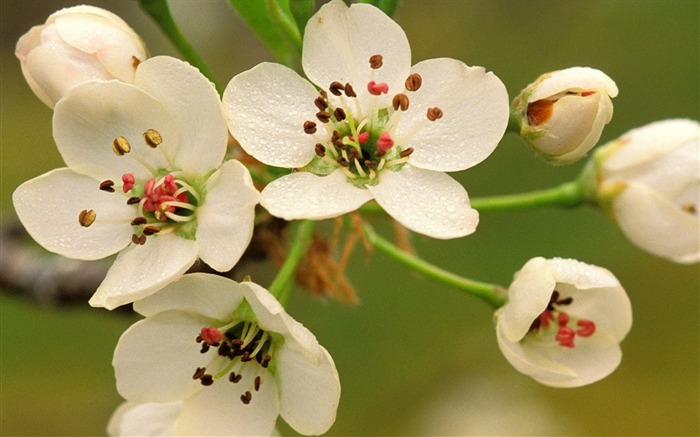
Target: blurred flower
378	129
649	179
562	114
76	45
563	322
217	357
144	177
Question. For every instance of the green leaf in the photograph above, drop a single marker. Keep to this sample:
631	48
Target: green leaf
302	10
387	6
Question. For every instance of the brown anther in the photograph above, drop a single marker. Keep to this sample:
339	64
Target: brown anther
323	116
413	82
121	146
335	136
87	217
150	230
344	162
205	348
400	101
237	343
140	240
379	153
234	378
199	373
152	138
370	164
376	61
138	221
406	152
266	360
323	94
353	154
434	113
689	208
256	383
245	398
246	357
107	186
539	112
206	380
336	88
135	62
339	114
133	200
320	150
321	103
199	339
309	127
349	91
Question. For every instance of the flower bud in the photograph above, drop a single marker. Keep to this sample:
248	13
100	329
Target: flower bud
649	181
75	45
562	114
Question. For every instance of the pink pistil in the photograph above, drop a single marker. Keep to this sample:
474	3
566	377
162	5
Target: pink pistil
565	337
563	319
363	137
128	180
545	318
211	335
376	89
586	328
385	143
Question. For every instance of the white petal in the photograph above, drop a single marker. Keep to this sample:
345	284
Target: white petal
310	392
475	115
581	275
304	195
427	202
209	295
149	419
156	357
217	410
194	105
574	79
91	116
266	108
225	220
141	270
339	40
49	205
574	119
656	225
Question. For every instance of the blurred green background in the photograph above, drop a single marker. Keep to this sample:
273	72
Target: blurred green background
415	357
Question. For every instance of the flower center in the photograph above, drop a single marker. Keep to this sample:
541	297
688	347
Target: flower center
241	344
565	334
359	137
164	203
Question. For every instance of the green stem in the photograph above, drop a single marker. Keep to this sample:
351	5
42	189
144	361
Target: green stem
492	294
281	286
160	13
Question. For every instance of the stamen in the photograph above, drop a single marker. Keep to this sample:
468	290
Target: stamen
140	240
689	208
150	230
323	116
400	101
309	127
336	88
152	138
245	398
199	373
434	113
133	200
321	103
121	146
266	361
406	152
320	150
138	221
413	82
256	383
234	378
339	114
87	217
206	380
349	91
376	61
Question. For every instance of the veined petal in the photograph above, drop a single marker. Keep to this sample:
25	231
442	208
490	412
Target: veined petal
209	295
307	196
217	410
156	357
339	40
310	391
655	224
266	108
91	116
147	419
225	220
475	115
140	271
194	105
49	205
427	202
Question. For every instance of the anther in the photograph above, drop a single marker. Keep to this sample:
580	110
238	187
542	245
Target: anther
344	162
205	348
245	398
434	113
121	146
256	383
199	372
107	186
133	200
234	378
87	217
266	360
138	221
400	101
339	114
689	208
150	230
246	357
349	91
323	116
353	154
413	82
406	152
320	150
153	138
309	127
140	240
336	88
376	61
206	380
370	164
321	103
376	89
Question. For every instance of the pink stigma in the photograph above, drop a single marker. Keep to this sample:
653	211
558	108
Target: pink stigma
587	93
128	179
565	337
376	89
363	137
385	143
563	319
210	335
586	328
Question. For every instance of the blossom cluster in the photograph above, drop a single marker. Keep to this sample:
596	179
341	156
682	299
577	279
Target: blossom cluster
149	176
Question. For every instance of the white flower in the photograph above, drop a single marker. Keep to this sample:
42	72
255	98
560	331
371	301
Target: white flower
144	178
379	128
75	45
215	357
562	113
650	180
563	322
